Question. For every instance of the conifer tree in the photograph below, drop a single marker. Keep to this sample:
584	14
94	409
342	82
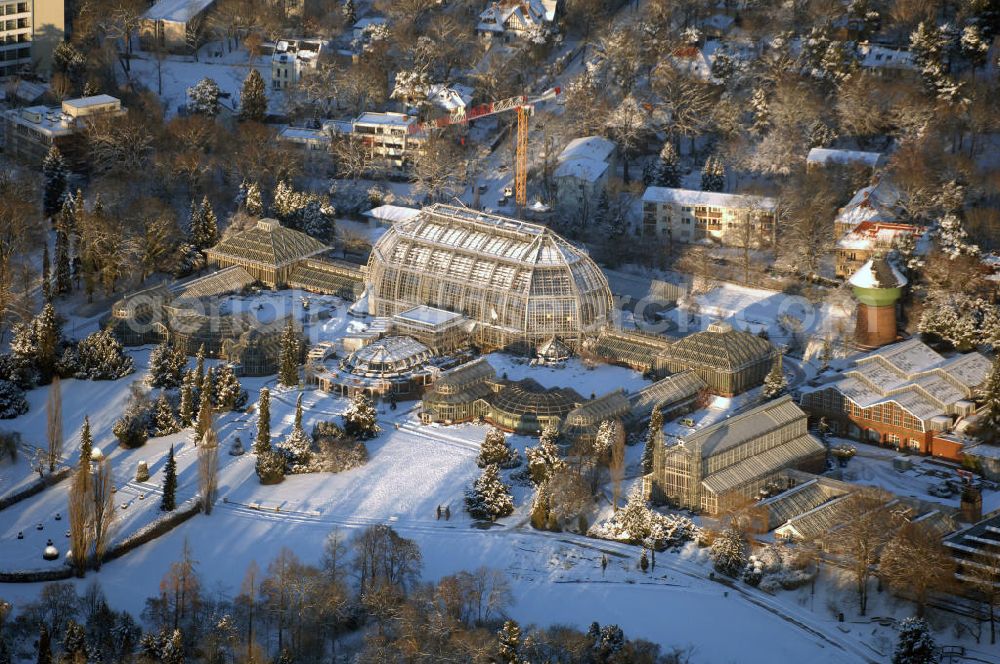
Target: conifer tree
350	14
229	394
729	552
988	428
544	459
297	445
166	422
288	364
489	498
205	409
47	334
187	404
254	203
916	644
667	173
196	225
62	279
253	98
262	444
169	501
775	383
166	366
509	642
713	175
86	446
46	274
652	438
205	234
496	449
199	368
54	175
360	418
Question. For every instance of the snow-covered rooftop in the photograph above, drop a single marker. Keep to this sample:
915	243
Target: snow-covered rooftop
872	234
392	119
449	97
912	375
877	202
588	147
303	135
589	170
873	275
880	57
708	198
831	156
430	316
390	214
178	11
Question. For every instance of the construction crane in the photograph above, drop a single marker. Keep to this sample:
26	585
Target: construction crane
524	106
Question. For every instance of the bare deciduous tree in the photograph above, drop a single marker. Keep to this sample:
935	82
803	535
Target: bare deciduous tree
865	526
915	564
103	511
208	468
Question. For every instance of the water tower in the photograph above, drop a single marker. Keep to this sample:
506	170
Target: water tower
877	285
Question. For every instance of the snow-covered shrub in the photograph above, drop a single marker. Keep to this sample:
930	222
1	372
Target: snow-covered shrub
12	401
359	418
229	393
489	498
336	452
142	472
784	568
166	366
203	97
916	644
296	447
270	467
729	552
236	449
753	573
136	424
496	449
100	356
636	523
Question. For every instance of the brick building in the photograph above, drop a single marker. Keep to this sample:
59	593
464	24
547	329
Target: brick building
903	395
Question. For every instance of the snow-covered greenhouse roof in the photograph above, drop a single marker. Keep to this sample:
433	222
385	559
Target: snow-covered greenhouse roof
913	376
800	500
720	347
764	464
630	347
461	378
740	428
227	280
268	243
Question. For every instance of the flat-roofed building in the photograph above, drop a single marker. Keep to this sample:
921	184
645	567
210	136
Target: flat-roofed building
30	132
389	137
688	216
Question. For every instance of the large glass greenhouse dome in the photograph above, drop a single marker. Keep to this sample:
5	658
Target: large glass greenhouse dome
519	282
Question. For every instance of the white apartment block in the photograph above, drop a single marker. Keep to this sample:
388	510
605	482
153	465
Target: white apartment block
29	133
688	216
29	31
390	137
291	58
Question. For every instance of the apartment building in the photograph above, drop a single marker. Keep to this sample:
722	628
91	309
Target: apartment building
30	30
688	216
29	133
293	57
389	137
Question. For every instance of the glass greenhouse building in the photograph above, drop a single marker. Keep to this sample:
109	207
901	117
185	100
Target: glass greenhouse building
520	283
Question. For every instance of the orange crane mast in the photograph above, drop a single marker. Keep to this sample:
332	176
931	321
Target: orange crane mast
524	106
